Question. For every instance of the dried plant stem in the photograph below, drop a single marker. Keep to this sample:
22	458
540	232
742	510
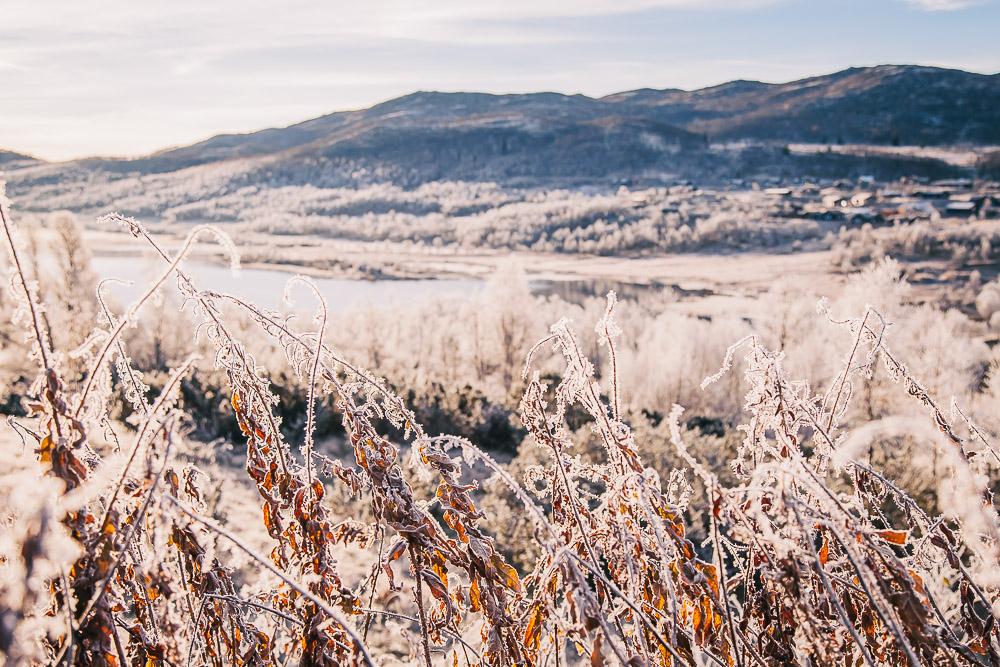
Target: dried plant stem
133	527
564	478
976	431
846	372
131	313
29	299
314	368
418	595
617	592
266	563
403	617
831	594
877	602
377	567
71	626
161	401
140	398
232	599
220	327
721	565
328	371
195	633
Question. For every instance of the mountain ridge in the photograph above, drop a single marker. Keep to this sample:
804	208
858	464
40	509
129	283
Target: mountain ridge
849	82
738	129
702	111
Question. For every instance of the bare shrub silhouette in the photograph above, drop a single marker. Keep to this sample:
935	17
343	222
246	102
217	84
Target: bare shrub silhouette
811	555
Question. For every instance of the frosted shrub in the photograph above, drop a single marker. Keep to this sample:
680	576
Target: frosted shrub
951	241
988	303
688	349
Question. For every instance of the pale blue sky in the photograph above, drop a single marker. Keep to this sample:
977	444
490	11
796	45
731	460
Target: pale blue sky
125	77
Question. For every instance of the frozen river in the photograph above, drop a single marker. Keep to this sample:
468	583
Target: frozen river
266	287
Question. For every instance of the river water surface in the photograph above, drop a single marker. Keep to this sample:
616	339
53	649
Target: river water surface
266	287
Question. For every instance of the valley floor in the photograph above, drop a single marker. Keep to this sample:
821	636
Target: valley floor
691	276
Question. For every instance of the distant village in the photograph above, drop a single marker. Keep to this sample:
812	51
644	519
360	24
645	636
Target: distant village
900	202
851	202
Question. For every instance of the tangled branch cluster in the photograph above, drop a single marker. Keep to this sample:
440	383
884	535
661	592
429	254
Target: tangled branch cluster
813	557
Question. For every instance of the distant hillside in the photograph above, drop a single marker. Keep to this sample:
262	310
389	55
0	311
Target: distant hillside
889	104
453	134
735	130
12	160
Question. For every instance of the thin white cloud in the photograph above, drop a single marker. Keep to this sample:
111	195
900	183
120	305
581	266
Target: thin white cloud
943	5
235	22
